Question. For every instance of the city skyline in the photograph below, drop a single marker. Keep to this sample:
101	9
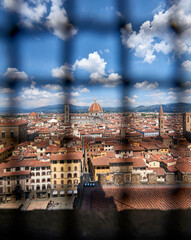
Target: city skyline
95	118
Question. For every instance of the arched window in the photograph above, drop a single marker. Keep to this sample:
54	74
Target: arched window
69	175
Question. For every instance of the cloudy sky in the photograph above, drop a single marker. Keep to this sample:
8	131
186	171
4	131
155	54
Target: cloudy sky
121	52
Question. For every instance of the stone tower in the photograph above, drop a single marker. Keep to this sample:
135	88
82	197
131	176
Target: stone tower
161	121
67	114
186	123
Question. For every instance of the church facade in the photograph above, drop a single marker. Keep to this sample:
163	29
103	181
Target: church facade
94	115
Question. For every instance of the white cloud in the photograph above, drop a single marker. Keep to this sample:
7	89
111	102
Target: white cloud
119	14
146	85
63	72
75	94
53	87
171	93
129	101
13	73
33	83
106	50
34	93
156	94
156	36
33	12
187	90
6	90
93	64
84	90
81	89
113	80
58	22
186	65
187	84
30	97
96	65
29	13
76	102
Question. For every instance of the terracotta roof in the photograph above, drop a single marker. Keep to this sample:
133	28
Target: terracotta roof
16	173
23	163
172	168
121	160
100	161
144	197
110	154
184	167
138	162
122	148
13	123
41	164
52	149
33	114
67	156
95	107
137	148
159	171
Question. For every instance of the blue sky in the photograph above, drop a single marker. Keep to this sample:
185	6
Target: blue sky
83	42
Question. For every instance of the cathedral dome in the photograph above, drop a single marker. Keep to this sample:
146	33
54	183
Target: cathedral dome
33	114
95	107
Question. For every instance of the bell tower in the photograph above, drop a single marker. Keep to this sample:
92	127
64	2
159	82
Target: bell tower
67	113
161	121
186	123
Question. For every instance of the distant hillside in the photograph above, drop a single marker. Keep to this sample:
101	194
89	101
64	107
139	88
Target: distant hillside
170	108
59	108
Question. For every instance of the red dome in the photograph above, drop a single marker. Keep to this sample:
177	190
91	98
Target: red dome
33	114
95	107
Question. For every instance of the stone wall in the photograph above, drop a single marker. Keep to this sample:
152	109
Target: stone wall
102	178
135	179
186	178
152	178
119	178
169	178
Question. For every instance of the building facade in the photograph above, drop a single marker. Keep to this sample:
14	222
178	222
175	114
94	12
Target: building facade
12	133
66	172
